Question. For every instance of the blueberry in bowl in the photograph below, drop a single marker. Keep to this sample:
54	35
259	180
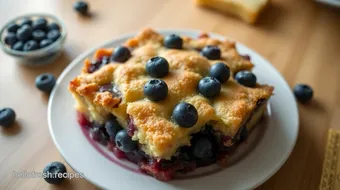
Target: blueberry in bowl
33	39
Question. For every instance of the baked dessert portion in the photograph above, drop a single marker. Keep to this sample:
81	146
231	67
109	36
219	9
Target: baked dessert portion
248	10
169	103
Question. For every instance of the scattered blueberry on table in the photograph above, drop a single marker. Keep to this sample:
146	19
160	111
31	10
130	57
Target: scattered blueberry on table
31	34
303	93
155	90
53	172
7	117
45	82
157	67
81	7
246	78
173	41
209	87
124	141
185	115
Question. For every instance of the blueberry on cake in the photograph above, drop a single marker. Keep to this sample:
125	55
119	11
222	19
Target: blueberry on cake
169	103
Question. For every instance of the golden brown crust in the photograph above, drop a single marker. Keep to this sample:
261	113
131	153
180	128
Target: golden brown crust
106	99
159	136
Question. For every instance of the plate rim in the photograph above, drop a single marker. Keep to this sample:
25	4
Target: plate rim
83	55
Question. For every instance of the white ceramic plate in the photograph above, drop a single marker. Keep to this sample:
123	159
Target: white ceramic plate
101	168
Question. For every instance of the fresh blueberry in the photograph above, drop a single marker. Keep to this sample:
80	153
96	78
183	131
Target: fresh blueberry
121	54
26	26
24	33
45	82
53	35
38	35
124	141
112	127
45	43
53	172
203	148
156	90
53	26
209	87
31	45
303	92
211	52
26	21
157	67
39	24
18	46
10	38
185	115
246	78
7	117
99	134
12	27
173	41
220	71
136	156
81	7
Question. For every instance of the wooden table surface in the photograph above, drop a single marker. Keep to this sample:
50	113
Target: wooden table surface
300	38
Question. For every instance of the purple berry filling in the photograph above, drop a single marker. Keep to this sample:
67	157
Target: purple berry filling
185	160
247	57
113	89
97	64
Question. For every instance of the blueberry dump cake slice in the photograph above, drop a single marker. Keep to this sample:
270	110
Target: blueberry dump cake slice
169	103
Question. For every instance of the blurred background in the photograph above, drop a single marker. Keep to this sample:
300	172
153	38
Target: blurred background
299	37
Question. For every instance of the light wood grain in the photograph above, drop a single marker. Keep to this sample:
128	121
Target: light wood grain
300	38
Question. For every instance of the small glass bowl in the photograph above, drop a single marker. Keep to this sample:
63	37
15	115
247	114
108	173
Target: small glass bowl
41	56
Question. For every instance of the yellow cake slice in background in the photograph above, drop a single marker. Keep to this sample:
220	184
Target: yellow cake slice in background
248	10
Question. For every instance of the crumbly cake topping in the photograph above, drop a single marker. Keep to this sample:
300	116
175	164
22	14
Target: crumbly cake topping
159	136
